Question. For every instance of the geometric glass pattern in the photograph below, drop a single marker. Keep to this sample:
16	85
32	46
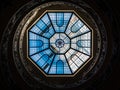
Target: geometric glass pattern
59	43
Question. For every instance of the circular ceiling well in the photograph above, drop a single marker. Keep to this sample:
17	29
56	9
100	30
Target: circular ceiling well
58	44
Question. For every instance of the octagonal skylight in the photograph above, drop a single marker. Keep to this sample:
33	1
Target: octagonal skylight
59	43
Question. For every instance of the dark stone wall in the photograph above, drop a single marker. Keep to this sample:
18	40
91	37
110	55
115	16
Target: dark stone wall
110	79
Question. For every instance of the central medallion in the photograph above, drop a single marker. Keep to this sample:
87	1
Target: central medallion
59	43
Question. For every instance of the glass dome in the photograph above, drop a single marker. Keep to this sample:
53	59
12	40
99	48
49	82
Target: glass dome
59	43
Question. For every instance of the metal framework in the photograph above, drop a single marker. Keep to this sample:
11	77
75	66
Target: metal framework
59	43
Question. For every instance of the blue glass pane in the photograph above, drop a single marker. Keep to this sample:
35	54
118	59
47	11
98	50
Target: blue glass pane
35	29
35	57
53	69
34	50
60	19
49	33
38	43
46	20
43	60
76	27
42	26
60	67
33	36
83	43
